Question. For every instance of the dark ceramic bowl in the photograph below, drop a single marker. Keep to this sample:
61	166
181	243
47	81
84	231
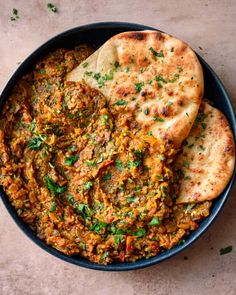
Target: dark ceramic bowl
97	34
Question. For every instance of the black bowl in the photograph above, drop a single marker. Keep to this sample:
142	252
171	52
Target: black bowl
97	34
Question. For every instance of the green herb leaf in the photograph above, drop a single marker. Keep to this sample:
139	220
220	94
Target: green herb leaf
138	86
180	69
70	160
119	166
160	78
91	163
155	221
155	53
36	143
107	176
104	255
52	7
118	239
131	199
116	64
159	119
71	199
88	185
145	111
140	232
121	102
88	73
203	125
52	207
133	164
108	77
15	15
84	65
53	187
189	207
98	227
226	250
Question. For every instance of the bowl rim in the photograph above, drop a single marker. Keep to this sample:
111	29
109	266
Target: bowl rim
126	265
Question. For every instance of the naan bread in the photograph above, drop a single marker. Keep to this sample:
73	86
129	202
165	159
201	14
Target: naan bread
151	75
208	157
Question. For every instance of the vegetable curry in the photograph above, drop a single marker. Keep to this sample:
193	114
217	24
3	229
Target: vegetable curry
83	174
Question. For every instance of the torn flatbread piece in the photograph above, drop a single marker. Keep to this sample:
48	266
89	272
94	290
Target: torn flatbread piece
208	157
153	76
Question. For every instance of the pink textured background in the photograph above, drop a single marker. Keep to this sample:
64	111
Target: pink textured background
209	27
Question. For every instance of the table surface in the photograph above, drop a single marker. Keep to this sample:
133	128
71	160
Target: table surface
209	27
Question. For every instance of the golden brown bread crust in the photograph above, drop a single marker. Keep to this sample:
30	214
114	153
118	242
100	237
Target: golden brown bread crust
157	76
208	158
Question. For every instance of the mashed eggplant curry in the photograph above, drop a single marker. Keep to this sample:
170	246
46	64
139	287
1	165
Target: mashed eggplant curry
83	174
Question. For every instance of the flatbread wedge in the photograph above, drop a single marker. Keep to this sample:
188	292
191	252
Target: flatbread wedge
153	76
208	157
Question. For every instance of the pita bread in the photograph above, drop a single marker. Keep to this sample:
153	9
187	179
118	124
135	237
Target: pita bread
152	75
208	157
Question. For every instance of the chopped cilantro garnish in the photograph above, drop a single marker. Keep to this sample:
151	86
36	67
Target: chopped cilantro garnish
118	239
180	69
107	176
116	64
52	7
70	160
97	76
159	78
149	81
88	73
104	255
52	207
33	125
37	142
88	185
155	53
91	163
121	102
202	147
15	15
172	49
84	65
85	211
140	232
53	187
71	199
131	199
133	164
119	166
187	177
203	125
146	111
189	207
159	119
98	227
108	77
155	221
138	86
226	250
181	242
